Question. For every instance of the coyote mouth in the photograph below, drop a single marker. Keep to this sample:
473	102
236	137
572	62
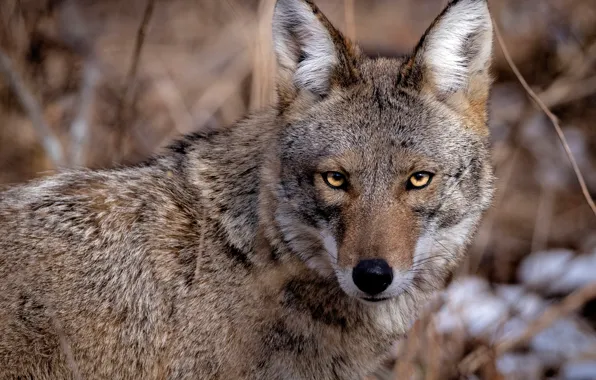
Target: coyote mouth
370	299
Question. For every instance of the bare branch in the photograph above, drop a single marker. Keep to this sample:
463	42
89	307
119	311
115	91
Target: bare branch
49	140
131	77
136	57
79	128
550	115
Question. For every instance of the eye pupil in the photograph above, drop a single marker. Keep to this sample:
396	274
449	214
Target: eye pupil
419	180
334	180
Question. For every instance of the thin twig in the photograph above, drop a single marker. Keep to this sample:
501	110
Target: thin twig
569	304
139	41
550	115
172	96
49	140
580	66
404	367
131	77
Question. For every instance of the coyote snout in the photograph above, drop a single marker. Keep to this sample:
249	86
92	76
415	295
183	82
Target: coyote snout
378	248
410	242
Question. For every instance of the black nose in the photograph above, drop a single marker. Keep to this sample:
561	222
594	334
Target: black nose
372	276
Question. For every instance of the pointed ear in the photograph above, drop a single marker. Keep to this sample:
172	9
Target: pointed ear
455	52
311	54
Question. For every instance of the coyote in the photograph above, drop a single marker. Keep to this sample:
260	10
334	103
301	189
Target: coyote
297	244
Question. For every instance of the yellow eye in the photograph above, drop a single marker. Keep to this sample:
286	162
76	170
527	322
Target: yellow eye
335	180
419	180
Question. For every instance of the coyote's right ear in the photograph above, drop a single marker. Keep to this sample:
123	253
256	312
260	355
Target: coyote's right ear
455	53
311	54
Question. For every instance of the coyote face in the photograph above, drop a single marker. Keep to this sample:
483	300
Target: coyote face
382	170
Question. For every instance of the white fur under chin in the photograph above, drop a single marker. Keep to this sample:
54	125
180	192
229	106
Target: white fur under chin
444	53
398	313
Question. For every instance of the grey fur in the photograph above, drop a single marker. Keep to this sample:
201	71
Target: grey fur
216	259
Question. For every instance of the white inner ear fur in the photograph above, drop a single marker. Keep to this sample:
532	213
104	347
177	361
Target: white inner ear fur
459	45
297	31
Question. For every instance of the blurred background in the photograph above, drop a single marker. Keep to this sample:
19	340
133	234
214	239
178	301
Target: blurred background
105	83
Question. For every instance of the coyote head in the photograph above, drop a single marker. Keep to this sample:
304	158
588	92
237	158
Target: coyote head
381	170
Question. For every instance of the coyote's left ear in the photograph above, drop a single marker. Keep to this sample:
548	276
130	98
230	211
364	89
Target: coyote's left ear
312	55
455	53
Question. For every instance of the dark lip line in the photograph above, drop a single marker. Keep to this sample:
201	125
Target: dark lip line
375	299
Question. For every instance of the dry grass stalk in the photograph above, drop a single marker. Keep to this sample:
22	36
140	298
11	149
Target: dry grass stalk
566	92
433	360
76	35
549	114
49	140
350	19
263	63
421	352
405	367
80	128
